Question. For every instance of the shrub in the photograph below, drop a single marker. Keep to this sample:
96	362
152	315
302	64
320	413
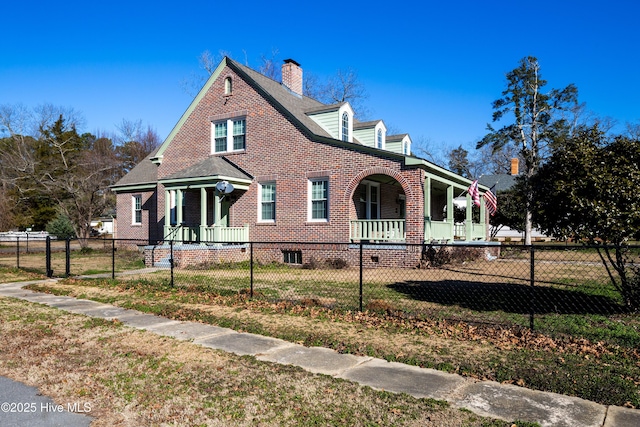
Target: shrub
61	227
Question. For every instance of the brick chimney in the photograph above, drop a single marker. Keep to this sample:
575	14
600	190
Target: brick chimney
292	76
515	166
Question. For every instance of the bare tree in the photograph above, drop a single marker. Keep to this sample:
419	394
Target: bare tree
344	86
71	171
207	63
269	66
134	142
427	149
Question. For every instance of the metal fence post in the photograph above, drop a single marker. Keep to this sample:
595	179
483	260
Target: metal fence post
171	260
67	257
48	257
361	273
532	299
251	269
17	251
113	259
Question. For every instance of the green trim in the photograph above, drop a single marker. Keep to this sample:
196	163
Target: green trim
441	174
212	78
303	128
205	181
134	187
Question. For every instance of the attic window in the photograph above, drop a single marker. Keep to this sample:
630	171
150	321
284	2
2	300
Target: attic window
379	139
228	86
345	126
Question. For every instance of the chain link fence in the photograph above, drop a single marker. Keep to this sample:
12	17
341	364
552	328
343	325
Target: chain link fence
556	289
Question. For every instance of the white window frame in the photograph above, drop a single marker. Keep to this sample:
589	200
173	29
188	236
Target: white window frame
348	136
310	199
372	188
261	202
229	135
136	208
228	86
344	126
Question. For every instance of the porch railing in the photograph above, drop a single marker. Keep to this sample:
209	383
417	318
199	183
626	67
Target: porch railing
208	234
438	230
448	231
377	229
226	234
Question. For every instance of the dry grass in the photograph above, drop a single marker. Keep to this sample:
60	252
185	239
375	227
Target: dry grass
135	378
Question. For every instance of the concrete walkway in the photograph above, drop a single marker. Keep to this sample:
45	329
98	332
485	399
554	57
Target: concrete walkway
487	398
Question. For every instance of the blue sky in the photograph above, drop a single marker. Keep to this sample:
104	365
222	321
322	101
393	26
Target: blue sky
430	68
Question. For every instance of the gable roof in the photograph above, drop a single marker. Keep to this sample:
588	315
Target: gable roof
292	106
295	108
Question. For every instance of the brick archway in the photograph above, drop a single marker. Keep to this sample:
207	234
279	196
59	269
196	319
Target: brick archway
378	170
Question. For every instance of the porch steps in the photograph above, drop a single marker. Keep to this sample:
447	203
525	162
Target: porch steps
163	263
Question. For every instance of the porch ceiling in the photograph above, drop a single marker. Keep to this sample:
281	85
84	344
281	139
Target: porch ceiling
383	179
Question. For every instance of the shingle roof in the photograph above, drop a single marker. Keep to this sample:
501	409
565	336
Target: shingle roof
502	182
144	173
399	137
292	105
295	105
211	167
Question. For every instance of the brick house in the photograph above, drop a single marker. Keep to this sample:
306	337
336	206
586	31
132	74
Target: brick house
252	159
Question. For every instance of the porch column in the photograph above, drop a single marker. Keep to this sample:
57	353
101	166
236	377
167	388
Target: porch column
217	216
468	223
203	214
450	217
450	214
483	216
179	213
427	208
167	212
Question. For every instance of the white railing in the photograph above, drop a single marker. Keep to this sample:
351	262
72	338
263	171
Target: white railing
377	229
226	234
475	232
208	234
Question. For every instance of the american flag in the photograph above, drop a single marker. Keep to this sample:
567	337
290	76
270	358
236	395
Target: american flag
474	193
492	202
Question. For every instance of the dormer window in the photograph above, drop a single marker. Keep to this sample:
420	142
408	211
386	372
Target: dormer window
345	126
379	139
228	86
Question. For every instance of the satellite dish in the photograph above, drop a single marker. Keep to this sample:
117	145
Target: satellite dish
224	187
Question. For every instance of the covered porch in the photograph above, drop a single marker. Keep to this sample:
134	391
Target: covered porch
198	203
379	208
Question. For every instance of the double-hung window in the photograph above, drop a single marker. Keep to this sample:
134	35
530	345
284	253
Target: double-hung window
319	200
136	211
268	202
229	135
238	134
220	137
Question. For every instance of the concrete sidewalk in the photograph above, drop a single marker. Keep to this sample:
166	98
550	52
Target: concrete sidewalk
485	398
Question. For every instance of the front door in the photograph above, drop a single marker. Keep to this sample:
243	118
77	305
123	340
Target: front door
370	200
